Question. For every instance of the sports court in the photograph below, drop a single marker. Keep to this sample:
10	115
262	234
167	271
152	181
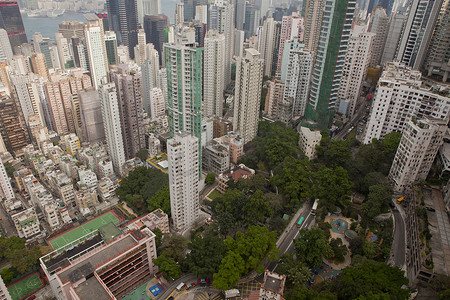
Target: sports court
25	286
83	229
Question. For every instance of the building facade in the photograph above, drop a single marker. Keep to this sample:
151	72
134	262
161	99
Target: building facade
214	72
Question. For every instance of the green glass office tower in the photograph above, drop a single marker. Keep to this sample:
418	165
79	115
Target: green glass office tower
327	72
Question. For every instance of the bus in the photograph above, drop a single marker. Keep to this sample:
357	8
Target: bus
300	221
314	208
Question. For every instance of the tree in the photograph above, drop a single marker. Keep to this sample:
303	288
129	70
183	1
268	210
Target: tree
158	236
256	208
9	169
339	249
168	266
296	272
206	255
160	200
23	259
356	246
371	279
333	153
174	246
210	178
245	253
312	246
332	187
142	154
379	196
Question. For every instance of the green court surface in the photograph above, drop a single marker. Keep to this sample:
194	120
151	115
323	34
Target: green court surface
25	286
82	230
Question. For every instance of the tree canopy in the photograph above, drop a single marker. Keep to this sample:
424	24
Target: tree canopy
312	246
168	266
206	255
161	199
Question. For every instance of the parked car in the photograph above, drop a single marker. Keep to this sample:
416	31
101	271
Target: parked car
430	208
193	284
202	281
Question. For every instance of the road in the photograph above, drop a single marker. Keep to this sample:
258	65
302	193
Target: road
354	120
6	224
286	241
399	240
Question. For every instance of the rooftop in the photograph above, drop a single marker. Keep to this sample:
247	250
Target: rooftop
91	287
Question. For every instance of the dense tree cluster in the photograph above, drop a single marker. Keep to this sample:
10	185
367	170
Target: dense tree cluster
140	185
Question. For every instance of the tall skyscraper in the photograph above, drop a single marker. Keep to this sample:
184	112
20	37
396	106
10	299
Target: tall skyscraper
154	32
123	17
378	24
11	129
139	50
313	22
416	152
128	87
64	53
111	48
247	95
396	24
148	7
213	72
41	45
221	19
38	65
251	19
438	54
263	6
327	71
240	14
179	13
149	71
184	93
296	74
268	45
292	26
95	45
6	52
183	156
417	32
357	60
11	21
111	123
91	116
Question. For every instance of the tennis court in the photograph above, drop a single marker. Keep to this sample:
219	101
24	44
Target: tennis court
83	229
25	286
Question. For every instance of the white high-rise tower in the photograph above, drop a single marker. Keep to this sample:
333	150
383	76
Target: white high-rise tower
183	157
111	122
247	95
213	73
268	45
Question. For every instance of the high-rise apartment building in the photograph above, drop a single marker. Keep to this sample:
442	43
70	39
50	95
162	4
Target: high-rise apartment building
397	22
416	152
268	44
183	156
11	21
329	61
70	29
112	125
139	50
91	116
252	17
4	293
378	24
12	130
240	14
157	104
147	7
296	74
417	32
41	45
357	60
184	88
213	73
6	52
38	64
111	48
179	13
149	72
399	97
64	53
313	23
247	95
274	97
291	27
6	190
95	45
221	19
154	32
128	87
438	55
123	18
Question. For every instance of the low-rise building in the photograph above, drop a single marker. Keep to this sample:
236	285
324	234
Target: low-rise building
235	144
308	140
221	127
234	174
71	143
106	189
155	219
27	223
63	186
216	157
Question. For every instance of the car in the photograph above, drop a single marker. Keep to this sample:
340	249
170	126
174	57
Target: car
202	281
430	208
193	284
32	297
186	287
208	280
